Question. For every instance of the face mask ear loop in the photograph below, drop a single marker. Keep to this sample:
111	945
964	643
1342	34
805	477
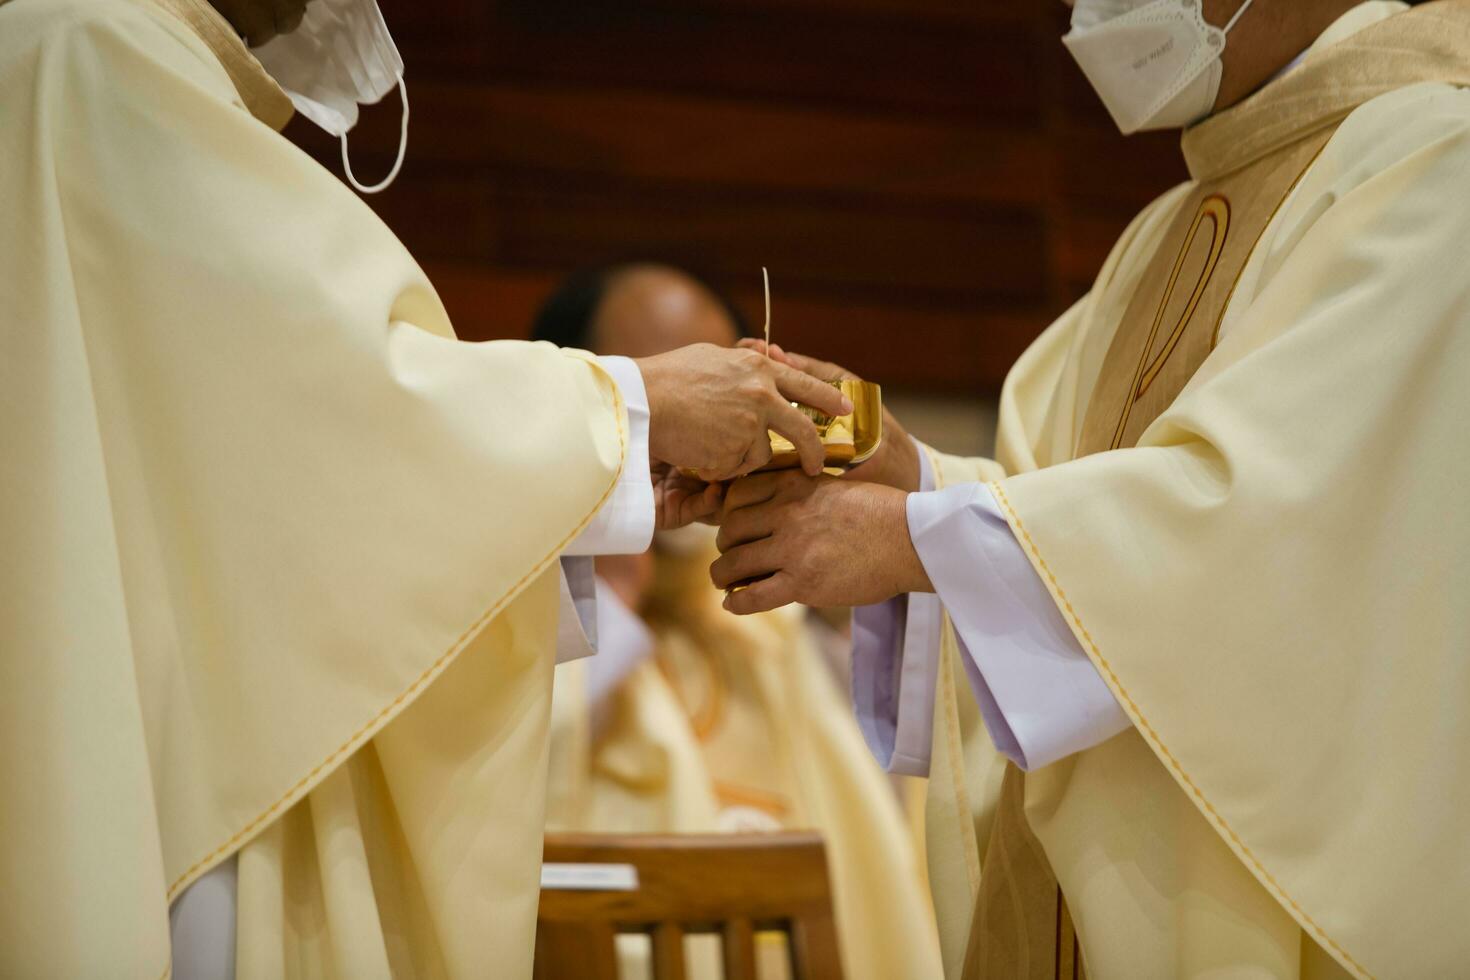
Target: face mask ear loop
1238	14
402	150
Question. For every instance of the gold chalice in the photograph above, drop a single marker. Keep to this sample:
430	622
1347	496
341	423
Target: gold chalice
847	439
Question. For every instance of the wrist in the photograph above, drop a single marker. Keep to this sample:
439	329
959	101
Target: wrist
909	574
896	463
655	389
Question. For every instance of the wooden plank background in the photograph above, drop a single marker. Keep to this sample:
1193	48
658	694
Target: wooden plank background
930	181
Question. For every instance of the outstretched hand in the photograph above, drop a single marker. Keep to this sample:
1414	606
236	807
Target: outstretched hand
712	409
823	541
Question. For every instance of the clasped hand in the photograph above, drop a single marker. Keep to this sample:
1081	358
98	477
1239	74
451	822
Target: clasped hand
792	535
823	541
711	411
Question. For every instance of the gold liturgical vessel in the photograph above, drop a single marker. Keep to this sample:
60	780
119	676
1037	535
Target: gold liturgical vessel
847	439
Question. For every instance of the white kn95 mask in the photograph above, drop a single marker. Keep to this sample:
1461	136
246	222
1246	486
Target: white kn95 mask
339	57
1154	63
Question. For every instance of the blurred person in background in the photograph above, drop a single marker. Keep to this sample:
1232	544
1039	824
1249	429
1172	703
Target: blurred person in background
1186	660
693	720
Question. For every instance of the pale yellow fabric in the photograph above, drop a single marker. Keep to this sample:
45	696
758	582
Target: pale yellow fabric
256	498
257	90
781	740
964	769
1273	582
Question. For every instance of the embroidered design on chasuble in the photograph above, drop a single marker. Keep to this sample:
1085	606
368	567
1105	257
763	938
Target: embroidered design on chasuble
1022	929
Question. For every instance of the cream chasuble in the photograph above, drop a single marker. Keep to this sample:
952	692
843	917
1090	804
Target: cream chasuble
1237	466
256	501
735	724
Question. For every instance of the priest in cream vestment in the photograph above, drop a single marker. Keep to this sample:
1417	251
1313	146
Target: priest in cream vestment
281	589
1186	662
692	720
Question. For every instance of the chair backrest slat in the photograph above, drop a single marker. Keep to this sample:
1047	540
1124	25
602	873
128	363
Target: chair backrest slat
668	951
730	885
738	939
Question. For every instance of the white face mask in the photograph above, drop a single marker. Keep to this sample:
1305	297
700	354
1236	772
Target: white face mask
1155	63
340	56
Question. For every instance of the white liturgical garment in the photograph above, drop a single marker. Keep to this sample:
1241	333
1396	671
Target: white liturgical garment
1040	697
202	918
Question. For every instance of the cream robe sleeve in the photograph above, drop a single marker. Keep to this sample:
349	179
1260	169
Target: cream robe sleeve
255	494
1275	582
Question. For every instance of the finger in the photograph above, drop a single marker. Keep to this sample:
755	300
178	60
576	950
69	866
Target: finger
746	562
767	594
807	390
714	503
669	510
751	490
743	527
758	455
773	351
819	369
701	506
825	370
802	432
719	474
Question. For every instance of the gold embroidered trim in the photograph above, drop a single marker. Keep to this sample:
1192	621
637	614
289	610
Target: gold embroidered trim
1156	742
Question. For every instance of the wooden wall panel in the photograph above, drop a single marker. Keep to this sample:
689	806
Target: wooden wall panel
930	181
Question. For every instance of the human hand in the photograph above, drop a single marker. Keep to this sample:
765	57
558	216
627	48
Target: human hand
680	500
823	542
711	409
896	463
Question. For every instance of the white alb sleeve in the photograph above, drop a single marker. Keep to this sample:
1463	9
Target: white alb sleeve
895	663
624	524
577	632
623	642
1040	696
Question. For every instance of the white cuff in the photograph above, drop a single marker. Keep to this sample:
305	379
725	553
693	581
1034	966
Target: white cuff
576	624
1039	695
624	524
895	667
624	642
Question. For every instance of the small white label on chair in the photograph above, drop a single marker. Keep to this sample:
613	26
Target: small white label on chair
590	877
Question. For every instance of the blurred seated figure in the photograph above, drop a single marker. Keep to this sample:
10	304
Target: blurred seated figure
690	719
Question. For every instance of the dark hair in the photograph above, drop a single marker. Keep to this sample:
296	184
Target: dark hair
566	318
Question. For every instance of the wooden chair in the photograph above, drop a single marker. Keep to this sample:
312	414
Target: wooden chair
730	885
